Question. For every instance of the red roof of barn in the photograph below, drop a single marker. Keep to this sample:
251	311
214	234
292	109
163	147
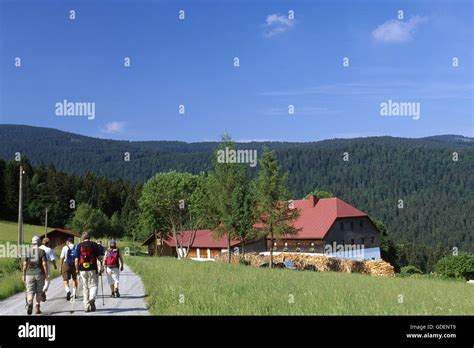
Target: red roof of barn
317	216
202	239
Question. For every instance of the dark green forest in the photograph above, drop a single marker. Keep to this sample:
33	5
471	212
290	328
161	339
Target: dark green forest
437	191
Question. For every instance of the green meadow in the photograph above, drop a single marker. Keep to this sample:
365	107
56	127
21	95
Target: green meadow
185	287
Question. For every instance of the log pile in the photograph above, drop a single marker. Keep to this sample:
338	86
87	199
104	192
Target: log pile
321	263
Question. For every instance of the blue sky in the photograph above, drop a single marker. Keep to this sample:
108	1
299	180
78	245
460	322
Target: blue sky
282	62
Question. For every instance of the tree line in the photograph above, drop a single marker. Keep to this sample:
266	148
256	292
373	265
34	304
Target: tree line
437	192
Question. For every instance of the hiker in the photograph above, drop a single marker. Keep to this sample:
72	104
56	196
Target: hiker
86	255
101	247
35	275
113	264
68	268
50	259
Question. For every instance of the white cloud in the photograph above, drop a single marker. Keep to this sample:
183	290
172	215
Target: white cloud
113	127
276	24
395	31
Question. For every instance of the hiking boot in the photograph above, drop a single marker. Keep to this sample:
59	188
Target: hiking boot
117	293
29	309
92	304
43	299
38	310
68	296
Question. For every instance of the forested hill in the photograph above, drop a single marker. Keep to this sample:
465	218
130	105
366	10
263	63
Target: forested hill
437	192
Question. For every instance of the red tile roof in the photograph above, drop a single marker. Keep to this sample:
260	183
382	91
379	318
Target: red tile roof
316	220
202	239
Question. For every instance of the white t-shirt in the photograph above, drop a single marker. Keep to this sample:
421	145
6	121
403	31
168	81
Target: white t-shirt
49	254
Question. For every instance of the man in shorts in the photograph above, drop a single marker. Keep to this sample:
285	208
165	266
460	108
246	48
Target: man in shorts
68	269
35	272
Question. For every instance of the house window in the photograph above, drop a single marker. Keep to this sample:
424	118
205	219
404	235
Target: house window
298	247
372	240
342	225
352	225
361	223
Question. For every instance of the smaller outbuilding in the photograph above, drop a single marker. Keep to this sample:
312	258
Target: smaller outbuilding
58	237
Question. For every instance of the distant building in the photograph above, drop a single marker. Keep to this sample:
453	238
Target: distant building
328	225
325	226
59	236
202	245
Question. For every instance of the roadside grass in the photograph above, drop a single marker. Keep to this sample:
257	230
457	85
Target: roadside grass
185	287
10	274
9	231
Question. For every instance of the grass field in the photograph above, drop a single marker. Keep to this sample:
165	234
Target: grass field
10	273
184	287
9	231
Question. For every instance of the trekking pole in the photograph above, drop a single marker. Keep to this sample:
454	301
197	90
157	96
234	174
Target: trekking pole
102	286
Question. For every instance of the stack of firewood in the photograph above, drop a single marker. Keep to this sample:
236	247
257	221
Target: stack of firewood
319	262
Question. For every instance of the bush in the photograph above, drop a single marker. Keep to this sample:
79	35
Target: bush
460	266
410	270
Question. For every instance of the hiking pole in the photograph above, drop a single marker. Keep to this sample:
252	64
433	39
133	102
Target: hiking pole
102	286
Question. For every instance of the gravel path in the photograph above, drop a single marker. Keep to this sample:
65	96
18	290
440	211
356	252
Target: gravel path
131	301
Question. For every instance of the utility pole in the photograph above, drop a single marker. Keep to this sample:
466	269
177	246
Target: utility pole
46	224
20	210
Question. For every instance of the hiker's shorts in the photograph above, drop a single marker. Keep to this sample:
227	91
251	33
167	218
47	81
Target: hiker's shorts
113	275
69	272
35	284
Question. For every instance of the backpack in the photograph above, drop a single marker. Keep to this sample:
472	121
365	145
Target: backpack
112	258
70	255
87	258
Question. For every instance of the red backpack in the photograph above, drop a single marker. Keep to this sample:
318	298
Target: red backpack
112	258
87	259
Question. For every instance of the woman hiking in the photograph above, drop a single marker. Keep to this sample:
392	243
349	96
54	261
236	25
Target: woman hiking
113	263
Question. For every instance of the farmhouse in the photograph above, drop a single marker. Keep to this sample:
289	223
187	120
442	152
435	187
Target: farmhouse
200	244
58	237
325	226
328	224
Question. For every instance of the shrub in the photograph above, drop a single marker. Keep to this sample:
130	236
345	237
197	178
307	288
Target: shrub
458	266
410	270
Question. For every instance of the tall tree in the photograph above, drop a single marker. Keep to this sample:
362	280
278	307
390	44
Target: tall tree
243	210
166	209
274	212
225	179
86	218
